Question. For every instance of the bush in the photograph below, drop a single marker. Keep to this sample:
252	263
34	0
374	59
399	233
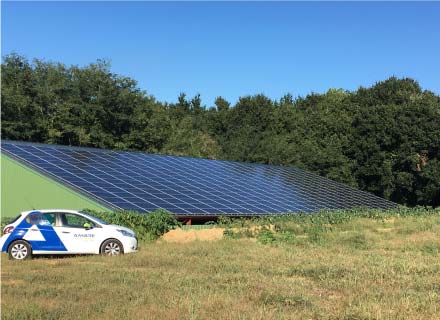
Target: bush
147	226
315	227
4	222
265	237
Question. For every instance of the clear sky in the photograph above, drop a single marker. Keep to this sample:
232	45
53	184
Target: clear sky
234	49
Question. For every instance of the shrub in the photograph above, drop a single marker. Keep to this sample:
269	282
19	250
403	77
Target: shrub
147	226
316	227
229	233
265	237
5	221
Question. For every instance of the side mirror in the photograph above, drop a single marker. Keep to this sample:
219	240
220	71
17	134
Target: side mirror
87	226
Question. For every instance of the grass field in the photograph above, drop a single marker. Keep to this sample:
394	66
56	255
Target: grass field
358	269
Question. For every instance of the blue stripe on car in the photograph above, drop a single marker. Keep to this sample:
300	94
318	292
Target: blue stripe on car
51	243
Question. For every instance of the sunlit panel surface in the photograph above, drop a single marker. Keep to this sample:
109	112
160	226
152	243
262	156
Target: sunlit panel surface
187	186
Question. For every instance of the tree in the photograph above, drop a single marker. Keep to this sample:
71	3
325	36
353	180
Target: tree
384	139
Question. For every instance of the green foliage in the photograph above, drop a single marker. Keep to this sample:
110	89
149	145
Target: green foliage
357	241
4	222
317	229
384	139
266	237
230	234
147	226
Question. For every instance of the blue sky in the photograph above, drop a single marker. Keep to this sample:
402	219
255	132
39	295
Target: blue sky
234	49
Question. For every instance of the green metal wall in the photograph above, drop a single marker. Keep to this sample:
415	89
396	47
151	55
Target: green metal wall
25	189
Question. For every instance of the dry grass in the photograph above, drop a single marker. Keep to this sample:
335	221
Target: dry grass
183	236
356	271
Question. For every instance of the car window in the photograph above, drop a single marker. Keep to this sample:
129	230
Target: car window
95	218
75	221
41	219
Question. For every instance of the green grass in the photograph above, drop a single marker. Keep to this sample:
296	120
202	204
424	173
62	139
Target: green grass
355	268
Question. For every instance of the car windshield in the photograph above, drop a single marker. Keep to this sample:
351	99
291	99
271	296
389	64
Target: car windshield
94	218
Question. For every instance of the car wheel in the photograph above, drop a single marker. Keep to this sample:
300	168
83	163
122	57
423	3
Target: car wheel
112	247
20	250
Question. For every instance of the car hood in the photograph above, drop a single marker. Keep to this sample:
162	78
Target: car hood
115	226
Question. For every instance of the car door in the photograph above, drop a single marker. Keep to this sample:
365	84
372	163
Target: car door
41	233
77	233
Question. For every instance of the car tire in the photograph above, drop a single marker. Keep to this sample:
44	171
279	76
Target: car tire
20	250
112	247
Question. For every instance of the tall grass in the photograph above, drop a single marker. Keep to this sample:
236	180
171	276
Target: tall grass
320	227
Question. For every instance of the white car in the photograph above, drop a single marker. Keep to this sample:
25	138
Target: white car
64	232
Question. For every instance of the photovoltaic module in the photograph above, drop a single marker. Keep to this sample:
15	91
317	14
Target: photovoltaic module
187	186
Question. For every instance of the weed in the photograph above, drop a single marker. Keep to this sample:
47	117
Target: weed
358	241
432	248
296	301
266	237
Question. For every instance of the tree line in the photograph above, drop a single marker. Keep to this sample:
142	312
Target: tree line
384	139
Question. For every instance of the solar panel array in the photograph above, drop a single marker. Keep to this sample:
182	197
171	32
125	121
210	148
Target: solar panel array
188	186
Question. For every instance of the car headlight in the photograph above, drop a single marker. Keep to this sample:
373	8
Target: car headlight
126	233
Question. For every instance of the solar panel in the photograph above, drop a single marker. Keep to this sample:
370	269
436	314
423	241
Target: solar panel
187	186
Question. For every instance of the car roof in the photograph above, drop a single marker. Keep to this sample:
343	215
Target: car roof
50	210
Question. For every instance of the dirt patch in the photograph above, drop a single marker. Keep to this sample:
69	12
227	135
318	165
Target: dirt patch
183	236
12	282
384	230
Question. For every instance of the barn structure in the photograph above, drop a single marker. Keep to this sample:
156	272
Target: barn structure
53	176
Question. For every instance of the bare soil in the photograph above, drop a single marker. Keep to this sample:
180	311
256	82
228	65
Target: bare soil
184	236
